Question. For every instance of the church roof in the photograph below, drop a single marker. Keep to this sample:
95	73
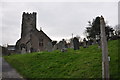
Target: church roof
41	32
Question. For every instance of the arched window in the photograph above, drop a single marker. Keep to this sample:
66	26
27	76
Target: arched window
22	46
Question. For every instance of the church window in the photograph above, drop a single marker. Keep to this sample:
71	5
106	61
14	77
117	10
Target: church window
41	42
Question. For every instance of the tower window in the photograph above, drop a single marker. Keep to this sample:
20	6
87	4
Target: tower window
28	18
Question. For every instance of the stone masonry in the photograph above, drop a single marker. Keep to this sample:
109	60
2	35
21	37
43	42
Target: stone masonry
32	40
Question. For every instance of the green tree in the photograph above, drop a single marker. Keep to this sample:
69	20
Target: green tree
93	31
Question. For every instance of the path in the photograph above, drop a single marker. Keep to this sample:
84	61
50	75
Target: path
8	72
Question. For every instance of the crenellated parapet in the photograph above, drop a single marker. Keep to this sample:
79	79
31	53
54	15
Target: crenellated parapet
26	13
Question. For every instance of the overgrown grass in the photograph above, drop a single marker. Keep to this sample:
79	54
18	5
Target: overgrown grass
83	63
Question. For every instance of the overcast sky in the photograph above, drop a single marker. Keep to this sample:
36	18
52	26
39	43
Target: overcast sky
57	19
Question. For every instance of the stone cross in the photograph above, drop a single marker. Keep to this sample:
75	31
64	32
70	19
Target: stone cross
105	62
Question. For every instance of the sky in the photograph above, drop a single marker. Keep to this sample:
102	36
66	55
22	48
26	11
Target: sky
57	19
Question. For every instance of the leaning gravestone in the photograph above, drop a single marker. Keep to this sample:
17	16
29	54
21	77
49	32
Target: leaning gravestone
76	43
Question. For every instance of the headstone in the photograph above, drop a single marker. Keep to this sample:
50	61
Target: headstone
84	43
68	45
23	50
49	46
76	43
55	47
71	44
62	44
64	50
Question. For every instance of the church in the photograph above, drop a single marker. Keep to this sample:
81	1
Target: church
32	40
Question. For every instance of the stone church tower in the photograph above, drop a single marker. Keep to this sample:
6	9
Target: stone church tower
28	23
31	39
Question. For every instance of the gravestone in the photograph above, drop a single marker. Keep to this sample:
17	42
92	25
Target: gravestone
55	47
68	45
49	46
62	44
84	43
23	50
76	43
71	44
64	50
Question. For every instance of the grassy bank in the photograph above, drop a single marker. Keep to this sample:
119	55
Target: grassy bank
83	63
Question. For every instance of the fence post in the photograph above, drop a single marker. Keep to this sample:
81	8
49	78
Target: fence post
105	62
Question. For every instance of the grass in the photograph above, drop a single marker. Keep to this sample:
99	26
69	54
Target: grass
83	63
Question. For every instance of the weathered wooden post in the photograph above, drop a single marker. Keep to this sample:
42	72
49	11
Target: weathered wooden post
105	61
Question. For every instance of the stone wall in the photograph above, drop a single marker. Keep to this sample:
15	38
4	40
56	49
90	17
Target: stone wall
31	39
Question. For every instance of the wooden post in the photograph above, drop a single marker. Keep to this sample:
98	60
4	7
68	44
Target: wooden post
105	62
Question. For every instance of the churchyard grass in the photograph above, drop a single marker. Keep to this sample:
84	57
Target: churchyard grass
83	63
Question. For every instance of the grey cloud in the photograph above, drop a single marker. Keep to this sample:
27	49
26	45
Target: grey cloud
58	20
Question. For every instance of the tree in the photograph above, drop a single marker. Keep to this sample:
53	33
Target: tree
109	31
93	31
117	30
54	42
